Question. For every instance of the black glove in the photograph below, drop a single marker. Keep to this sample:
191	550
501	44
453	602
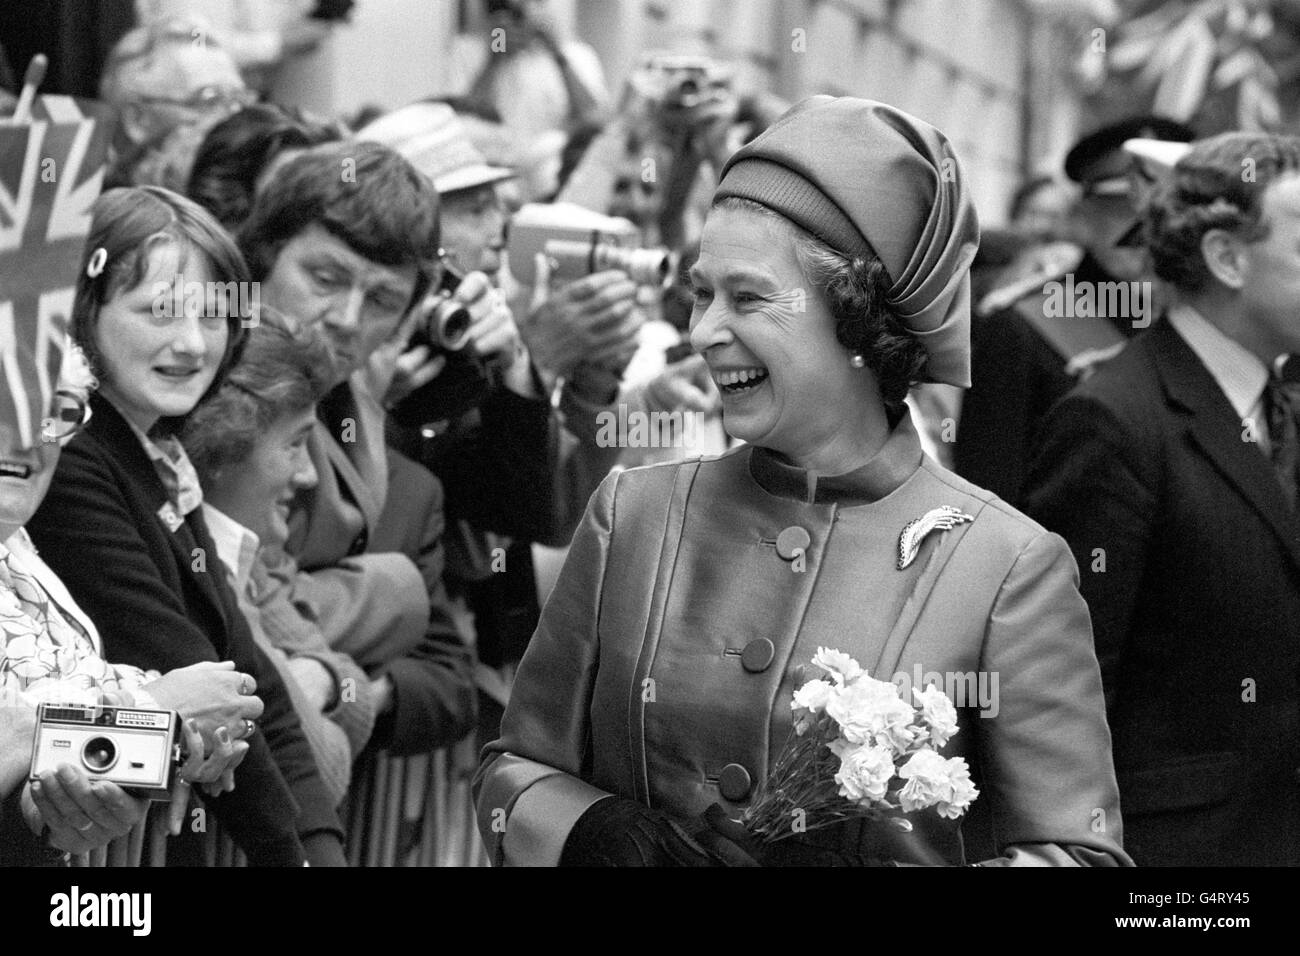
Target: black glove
615	831
733	845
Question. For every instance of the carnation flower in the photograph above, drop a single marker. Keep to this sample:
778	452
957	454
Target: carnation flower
937	711
865	773
963	790
935	782
842	667
870	711
813	696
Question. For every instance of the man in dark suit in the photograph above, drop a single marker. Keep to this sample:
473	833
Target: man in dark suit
1172	473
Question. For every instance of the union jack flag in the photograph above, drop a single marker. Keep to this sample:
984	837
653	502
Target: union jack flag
51	171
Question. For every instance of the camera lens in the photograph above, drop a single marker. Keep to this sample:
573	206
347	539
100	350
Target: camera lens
99	754
449	325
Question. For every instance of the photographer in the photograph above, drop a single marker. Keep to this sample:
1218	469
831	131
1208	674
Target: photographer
508	464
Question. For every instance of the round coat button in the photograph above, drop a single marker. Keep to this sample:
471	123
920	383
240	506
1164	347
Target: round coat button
757	655
792	541
734	782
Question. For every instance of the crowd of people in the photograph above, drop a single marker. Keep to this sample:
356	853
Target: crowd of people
319	401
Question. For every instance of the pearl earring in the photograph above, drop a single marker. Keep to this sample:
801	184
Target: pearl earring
858	360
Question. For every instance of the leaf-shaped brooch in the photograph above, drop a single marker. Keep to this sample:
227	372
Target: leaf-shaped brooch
943	518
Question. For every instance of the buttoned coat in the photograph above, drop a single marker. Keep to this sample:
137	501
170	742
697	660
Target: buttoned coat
638	681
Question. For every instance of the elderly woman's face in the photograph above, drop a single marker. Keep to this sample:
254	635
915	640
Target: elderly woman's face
769	340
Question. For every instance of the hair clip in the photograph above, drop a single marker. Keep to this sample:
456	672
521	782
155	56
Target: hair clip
98	259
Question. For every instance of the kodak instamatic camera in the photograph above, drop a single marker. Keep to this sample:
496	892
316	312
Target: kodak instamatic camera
139	750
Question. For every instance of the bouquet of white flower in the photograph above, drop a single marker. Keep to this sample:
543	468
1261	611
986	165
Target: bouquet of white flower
860	750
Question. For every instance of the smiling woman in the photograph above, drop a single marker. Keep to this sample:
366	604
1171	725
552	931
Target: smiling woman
152	362
655	696
249	445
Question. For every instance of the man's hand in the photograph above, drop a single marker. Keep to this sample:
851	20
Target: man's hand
593	320
683	386
492	331
211	693
82	814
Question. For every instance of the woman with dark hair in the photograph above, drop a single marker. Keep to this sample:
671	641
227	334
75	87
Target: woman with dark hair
241	154
833	274
161	310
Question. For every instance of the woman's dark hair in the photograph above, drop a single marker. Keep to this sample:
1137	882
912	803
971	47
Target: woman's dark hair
1219	184
238	149
854	289
286	369
127	225
364	194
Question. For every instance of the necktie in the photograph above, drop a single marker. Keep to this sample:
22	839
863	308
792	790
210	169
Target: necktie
1283	399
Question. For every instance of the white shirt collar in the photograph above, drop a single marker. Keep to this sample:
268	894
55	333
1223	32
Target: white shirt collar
236	546
1239	372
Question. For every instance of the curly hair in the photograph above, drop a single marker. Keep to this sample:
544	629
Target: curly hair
1219	184
237	151
855	290
286	369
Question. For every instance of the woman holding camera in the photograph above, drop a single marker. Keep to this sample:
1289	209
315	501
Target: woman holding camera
121	523
832	275
50	651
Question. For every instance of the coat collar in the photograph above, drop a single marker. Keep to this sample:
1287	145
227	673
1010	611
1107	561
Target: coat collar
113	431
896	461
1216	429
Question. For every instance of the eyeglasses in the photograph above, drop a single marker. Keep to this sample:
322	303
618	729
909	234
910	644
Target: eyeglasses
70	416
207	99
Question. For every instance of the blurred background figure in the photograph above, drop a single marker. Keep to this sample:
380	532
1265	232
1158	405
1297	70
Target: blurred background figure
261	35
1109	196
1024	354
170	82
241	153
1040	209
536	82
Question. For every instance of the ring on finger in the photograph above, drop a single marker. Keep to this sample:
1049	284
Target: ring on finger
89	824
243	685
249	727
